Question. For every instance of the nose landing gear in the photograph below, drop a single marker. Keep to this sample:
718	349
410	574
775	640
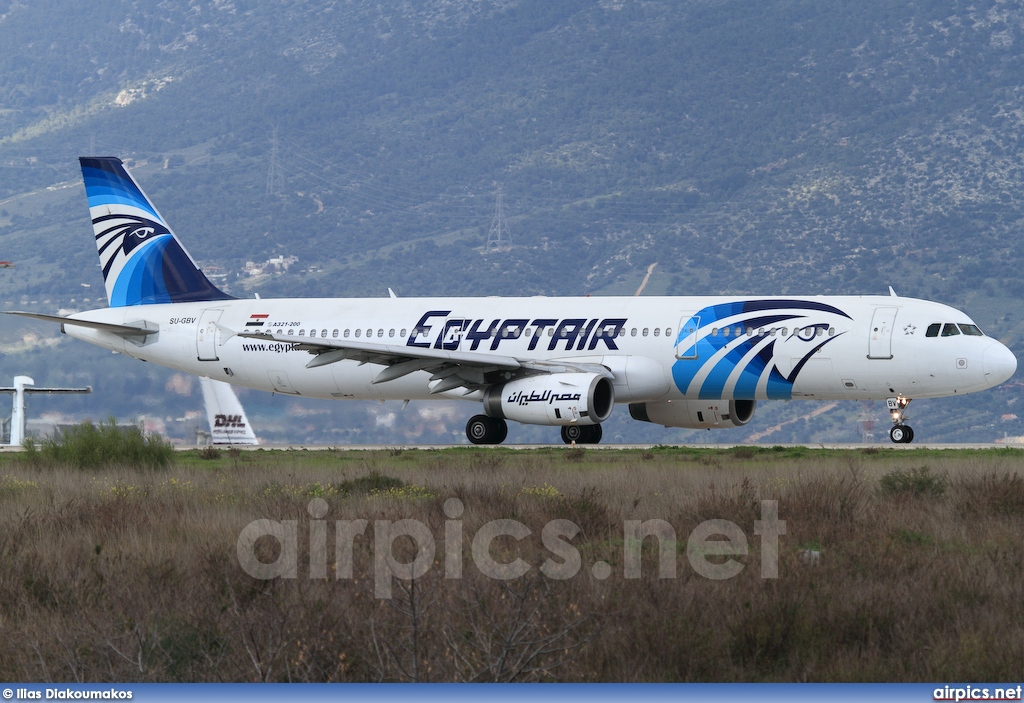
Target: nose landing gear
899	433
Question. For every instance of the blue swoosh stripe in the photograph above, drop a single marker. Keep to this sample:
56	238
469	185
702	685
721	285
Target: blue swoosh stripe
106	188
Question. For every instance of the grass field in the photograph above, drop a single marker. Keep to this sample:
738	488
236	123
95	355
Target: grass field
895	565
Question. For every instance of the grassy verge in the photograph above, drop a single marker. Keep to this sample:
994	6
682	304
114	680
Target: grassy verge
894	565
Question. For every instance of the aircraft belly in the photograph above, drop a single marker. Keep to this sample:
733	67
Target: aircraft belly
354	380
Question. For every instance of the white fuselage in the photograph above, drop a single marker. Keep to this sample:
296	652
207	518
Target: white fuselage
657	348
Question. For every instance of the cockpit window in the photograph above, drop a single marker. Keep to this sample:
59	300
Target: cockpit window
948	329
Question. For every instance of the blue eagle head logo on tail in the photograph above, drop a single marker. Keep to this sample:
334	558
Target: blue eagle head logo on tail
124	234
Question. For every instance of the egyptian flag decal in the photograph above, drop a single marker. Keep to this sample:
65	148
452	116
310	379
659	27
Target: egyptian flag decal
256	320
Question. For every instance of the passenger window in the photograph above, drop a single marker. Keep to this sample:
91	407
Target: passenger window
346	334
391	333
302	333
657	331
291	332
950	330
334	334
380	333
402	333
933	329
668	331
714	331
358	332
831	331
632	332
971	330
645	332
369	333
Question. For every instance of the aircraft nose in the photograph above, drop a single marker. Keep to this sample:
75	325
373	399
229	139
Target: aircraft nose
999	363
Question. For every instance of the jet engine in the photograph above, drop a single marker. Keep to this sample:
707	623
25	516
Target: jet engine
554	399
695	414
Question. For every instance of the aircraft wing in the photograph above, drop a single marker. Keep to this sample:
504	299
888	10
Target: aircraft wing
451	369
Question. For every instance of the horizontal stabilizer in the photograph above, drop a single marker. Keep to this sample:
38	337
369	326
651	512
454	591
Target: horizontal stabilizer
122	330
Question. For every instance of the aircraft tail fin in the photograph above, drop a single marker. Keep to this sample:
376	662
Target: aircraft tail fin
228	423
143	262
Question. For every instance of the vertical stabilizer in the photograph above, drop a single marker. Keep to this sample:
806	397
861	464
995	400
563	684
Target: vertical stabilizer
228	423
143	262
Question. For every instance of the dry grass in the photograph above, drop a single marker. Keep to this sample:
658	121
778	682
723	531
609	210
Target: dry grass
132	575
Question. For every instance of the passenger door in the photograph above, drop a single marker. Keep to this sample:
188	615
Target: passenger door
880	334
206	336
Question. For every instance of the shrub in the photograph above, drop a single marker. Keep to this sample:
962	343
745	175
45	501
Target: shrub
89	446
374	482
992	494
915	482
209	452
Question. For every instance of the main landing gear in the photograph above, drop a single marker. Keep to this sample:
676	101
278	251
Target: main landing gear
482	429
581	434
899	432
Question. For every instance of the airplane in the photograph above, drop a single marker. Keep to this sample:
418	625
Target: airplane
690	362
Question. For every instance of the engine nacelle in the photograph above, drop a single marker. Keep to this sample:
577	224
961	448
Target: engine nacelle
695	414
554	399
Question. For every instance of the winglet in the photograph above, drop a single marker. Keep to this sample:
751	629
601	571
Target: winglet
892	292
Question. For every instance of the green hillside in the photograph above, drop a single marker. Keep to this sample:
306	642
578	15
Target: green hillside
774	147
